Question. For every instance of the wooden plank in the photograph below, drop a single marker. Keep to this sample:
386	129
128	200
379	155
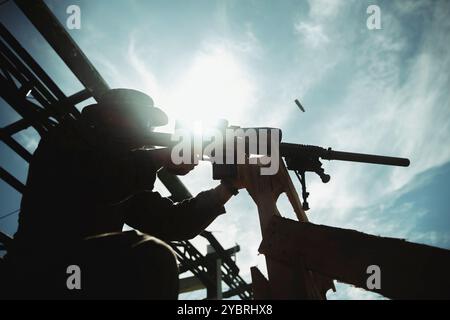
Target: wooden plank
285	281
407	270
260	285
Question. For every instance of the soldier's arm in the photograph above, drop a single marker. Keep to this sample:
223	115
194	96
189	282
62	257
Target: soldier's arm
153	214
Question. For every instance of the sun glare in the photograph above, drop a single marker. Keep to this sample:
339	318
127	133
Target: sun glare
215	86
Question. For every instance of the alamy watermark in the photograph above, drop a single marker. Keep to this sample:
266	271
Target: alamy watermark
74	19
229	146
73	281
373	21
374	280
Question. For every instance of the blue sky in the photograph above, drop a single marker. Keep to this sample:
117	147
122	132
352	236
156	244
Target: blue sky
374	91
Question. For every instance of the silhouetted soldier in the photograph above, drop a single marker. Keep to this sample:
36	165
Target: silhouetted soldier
86	180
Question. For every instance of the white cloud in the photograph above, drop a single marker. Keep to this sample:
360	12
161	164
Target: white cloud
146	80
313	35
314	29
324	8
348	292
387	115
29	139
392	107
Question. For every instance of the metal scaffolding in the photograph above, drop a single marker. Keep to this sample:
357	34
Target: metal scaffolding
30	91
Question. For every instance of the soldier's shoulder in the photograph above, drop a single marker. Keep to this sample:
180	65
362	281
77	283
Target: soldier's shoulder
64	137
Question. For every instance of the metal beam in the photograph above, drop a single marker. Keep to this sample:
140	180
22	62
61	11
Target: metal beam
213	255
17	61
37	116
11	180
78	97
187	254
63	44
16	127
219	250
190	284
214	291
16	147
31	78
29	61
9	61
237	291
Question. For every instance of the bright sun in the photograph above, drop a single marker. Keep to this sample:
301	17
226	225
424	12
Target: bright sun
215	86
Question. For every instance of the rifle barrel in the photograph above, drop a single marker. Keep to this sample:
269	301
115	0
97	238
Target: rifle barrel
293	150
298	150
366	158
